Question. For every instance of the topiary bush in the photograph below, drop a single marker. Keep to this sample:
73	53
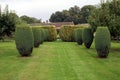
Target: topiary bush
37	36
46	34
42	32
87	37
24	39
52	33
102	41
78	36
67	33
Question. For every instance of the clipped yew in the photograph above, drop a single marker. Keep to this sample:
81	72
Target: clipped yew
46	34
51	33
24	39
78	36
42	33
37	35
102	42
87	37
67	33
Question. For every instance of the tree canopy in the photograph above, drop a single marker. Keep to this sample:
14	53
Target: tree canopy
8	21
74	14
30	20
107	14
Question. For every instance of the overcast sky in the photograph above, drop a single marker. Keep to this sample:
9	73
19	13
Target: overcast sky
42	9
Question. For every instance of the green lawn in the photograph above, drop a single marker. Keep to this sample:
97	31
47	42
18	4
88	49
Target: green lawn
59	61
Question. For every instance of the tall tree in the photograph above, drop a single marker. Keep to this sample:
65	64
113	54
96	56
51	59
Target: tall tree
108	14
74	14
57	17
85	12
114	24
29	20
8	21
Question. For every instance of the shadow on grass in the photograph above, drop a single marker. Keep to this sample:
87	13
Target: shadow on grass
6	41
92	53
115	50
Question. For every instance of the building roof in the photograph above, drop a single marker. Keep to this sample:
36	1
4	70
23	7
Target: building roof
57	24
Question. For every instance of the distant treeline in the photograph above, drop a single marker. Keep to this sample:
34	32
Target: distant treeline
74	14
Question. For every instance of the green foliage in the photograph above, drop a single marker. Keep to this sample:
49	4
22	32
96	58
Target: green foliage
24	39
108	14
115	27
99	16
42	36
30	20
8	21
85	12
102	41
67	33
51	32
37	36
74	14
58	14
93	19
78	36
46	34
87	37
114	6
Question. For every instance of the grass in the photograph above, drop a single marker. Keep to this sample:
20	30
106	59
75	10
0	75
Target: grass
59	61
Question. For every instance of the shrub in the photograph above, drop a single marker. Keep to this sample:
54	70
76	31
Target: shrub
102	41
46	34
67	33
24	39
87	37
52	32
43	35
37	36
78	36
42	32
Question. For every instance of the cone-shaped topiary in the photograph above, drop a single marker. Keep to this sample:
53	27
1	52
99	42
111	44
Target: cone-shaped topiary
102	41
78	36
37	36
24	39
87	37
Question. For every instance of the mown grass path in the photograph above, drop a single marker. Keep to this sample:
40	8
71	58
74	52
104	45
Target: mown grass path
59	61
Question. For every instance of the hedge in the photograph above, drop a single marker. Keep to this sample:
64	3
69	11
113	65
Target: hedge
52	33
67	33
